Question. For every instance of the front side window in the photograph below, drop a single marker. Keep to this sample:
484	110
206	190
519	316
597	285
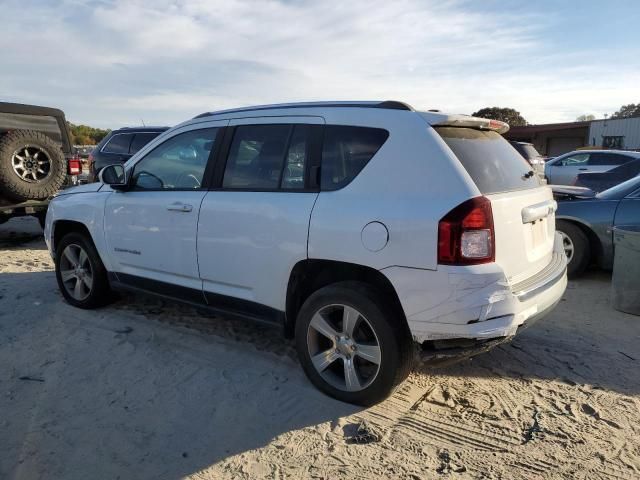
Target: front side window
267	157
119	143
345	152
177	164
579	159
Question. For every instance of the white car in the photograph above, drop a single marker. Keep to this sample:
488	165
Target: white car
563	170
362	227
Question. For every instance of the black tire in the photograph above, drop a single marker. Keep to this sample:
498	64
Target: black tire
42	217
100	292
581	248
12	185
395	342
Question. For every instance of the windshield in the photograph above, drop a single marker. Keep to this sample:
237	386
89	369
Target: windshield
621	190
489	159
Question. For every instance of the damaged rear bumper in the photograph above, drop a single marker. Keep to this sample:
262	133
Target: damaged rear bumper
476	303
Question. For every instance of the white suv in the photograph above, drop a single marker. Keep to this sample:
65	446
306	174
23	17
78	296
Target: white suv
362	227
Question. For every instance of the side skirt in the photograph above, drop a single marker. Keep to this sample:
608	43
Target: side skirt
222	305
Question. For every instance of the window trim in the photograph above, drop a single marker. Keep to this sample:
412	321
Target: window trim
315	150
131	134
209	166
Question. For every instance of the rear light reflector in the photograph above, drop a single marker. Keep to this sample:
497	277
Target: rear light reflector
466	234
74	166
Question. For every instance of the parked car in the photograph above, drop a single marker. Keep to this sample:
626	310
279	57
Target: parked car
36	159
119	146
361	227
585	221
600	181
530	154
564	169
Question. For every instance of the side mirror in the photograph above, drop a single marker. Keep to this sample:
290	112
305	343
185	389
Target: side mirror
115	176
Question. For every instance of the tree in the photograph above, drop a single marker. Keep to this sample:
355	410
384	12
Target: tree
585	118
85	135
628	111
507	115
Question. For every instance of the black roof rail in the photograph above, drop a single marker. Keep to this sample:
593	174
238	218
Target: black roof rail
387	104
395	105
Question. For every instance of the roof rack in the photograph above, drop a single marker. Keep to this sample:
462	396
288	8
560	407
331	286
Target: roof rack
387	104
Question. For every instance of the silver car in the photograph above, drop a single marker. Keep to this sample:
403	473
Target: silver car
564	169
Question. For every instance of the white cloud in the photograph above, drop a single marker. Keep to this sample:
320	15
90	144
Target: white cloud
112	63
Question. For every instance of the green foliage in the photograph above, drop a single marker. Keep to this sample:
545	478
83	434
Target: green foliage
585	118
85	135
628	111
507	115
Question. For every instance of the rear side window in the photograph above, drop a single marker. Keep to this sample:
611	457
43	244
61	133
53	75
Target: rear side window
608	159
346	151
140	140
491	162
268	157
119	143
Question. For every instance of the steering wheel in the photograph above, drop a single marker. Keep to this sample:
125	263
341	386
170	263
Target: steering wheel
151	175
189	176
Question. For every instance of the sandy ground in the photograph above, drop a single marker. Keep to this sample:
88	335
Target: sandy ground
150	389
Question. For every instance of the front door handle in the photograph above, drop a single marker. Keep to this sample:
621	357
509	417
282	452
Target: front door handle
180	207
583	169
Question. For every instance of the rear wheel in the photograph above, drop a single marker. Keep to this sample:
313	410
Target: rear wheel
350	344
576	247
81	276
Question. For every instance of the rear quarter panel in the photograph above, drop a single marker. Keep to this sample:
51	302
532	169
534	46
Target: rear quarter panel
409	185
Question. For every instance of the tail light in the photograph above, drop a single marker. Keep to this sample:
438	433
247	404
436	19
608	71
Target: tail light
74	165
466	234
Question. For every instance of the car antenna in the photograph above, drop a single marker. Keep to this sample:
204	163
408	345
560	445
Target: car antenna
142	122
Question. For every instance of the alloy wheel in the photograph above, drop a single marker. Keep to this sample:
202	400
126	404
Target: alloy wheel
76	272
31	163
567	244
343	347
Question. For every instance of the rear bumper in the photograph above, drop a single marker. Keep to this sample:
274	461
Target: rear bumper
476	302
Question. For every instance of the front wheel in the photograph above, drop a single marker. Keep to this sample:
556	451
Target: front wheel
351	345
81	276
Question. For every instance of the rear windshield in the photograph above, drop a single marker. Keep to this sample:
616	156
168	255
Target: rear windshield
529	152
490	161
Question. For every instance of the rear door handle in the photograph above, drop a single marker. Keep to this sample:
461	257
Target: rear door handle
583	169
180	207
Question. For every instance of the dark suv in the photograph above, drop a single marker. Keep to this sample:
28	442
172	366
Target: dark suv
530	154
119	146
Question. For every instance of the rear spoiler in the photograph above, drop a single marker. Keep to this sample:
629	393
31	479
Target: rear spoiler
467	121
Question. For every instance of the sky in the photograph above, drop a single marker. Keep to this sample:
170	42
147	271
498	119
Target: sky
112	63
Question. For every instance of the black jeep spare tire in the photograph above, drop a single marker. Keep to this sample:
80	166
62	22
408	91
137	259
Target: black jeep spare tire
32	166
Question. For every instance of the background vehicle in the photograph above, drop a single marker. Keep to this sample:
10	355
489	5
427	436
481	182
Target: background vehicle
600	181
564	169
35	159
326	217
118	147
530	154
586	223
